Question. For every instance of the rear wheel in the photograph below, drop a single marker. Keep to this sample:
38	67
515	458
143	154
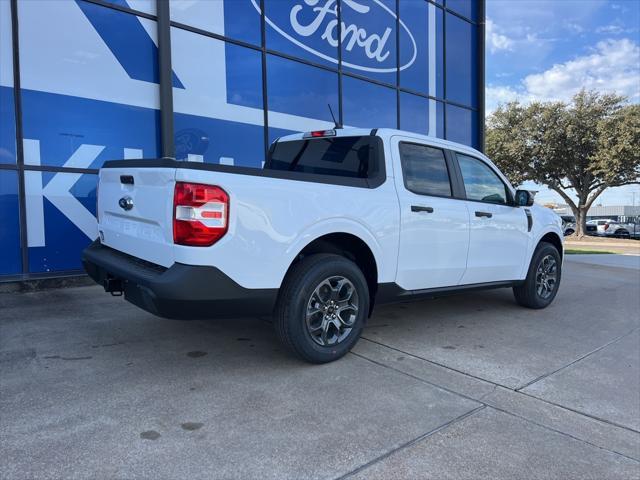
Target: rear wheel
543	278
322	307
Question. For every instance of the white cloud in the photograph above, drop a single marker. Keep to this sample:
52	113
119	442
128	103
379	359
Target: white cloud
496	95
495	40
614	66
613	29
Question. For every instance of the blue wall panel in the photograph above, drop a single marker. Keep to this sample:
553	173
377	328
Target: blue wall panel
89	76
213	139
461	61
7	126
10	259
64	241
63	123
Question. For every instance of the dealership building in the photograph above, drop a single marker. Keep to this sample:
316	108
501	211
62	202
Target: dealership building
216	81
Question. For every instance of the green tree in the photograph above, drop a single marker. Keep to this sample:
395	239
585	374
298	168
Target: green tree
576	149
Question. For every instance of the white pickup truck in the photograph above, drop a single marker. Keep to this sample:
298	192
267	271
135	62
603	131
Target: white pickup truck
335	222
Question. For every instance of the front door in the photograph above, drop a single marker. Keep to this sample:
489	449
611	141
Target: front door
434	226
498	236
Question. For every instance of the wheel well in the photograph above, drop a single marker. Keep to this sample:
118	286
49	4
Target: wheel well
554	240
348	246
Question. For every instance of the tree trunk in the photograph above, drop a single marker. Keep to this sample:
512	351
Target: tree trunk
581	220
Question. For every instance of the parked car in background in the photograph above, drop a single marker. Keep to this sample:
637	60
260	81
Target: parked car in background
568	229
609	228
591	228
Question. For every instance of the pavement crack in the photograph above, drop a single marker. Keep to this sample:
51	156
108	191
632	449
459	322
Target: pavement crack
546	427
410	443
466	374
435	385
542	377
588	415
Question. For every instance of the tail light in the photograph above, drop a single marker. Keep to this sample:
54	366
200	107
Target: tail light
200	214
606	226
320	133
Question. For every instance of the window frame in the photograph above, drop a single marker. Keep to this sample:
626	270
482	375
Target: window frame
450	175
507	189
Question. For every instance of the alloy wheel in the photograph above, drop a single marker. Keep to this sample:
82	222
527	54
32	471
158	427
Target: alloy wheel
546	276
332	311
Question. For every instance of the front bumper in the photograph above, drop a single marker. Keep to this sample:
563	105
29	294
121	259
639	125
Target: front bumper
181	291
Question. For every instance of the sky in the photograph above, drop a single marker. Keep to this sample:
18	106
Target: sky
549	49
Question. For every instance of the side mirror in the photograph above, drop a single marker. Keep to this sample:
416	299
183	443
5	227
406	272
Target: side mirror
524	198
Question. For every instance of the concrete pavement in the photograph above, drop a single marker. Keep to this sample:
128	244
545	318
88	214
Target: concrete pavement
471	386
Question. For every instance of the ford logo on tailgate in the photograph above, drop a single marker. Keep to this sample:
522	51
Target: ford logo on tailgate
126	203
316	21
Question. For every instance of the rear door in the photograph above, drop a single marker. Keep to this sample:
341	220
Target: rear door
434	225
499	231
135	212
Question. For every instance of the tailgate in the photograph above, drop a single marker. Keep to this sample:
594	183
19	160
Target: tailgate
135	212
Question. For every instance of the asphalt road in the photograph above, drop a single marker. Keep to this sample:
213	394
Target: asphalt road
462	387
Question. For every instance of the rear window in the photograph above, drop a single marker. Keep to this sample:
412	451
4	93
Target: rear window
353	157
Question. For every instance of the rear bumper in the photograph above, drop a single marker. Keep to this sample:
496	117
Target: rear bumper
180	291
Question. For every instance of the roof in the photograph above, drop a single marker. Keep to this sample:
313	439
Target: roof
389	132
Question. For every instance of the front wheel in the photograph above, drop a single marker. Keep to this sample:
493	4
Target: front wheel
322	307
543	278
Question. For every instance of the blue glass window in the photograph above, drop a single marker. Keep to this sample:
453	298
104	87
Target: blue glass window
219	117
301	89
107	92
7	126
146	6
466	8
7	106
369	39
462	61
421	115
368	105
275	133
61	236
237	19
63	131
212	140
462	126
244	75
303	30
422	52
10	260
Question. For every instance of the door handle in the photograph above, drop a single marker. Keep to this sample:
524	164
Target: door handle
420	208
484	214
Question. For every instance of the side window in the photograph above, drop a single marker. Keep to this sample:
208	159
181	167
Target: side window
424	170
480	182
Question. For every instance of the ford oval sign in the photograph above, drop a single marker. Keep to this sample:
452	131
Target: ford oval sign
314	21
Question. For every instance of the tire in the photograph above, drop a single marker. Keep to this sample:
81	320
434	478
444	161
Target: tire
532	294
622	234
304	316
569	231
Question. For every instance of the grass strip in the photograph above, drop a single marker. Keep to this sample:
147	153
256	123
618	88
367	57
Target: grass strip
578	251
